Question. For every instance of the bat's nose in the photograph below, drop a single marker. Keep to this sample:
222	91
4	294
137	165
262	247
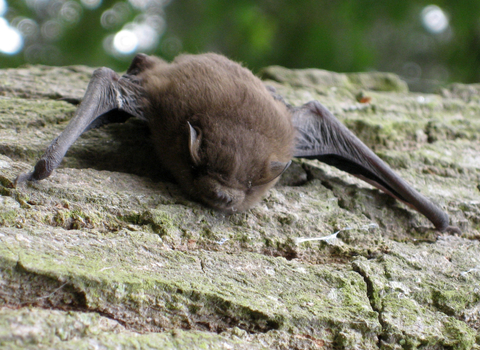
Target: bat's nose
225	200
222	197
218	196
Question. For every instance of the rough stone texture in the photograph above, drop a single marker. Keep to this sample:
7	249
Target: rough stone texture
108	254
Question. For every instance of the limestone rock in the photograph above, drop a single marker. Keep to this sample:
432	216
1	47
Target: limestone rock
108	253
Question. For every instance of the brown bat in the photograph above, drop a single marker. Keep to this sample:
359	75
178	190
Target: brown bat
223	135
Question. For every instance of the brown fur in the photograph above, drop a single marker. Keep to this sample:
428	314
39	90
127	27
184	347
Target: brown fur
243	130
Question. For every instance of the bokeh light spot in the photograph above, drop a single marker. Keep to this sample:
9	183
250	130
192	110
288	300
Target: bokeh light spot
115	16
434	19
3	7
125	41
51	7
144	5
172	46
51	30
109	19
11	41
91	4
71	12
28	27
139	4
49	54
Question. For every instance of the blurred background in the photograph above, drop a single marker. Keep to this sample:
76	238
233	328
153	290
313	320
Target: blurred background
427	43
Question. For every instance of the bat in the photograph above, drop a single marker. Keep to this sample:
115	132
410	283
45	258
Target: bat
223	135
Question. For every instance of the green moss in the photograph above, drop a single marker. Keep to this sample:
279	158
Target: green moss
378	81
79	330
454	302
164	220
132	217
207	290
34	114
8	217
458	334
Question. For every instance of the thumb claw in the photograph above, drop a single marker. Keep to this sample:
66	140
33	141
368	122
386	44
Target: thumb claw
23	178
453	230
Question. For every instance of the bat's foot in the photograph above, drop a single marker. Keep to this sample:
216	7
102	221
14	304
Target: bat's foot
24	177
42	170
453	230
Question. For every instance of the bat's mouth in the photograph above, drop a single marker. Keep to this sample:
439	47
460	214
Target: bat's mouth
223	201
218	196
226	210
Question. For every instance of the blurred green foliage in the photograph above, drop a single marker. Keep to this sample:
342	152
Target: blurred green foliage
340	35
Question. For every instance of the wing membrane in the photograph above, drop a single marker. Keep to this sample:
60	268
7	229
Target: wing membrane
106	91
321	136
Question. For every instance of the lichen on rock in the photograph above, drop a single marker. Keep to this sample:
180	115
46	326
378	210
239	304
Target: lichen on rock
108	252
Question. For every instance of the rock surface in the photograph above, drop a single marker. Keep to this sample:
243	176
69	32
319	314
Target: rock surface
108	254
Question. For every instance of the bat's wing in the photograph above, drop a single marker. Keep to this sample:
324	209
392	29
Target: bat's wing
321	136
105	92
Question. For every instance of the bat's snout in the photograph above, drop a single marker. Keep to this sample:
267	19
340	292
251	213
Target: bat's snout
218	196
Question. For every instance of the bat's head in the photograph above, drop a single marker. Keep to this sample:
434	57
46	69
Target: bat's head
229	178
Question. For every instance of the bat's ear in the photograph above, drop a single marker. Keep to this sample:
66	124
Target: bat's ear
276	169
194	142
140	63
